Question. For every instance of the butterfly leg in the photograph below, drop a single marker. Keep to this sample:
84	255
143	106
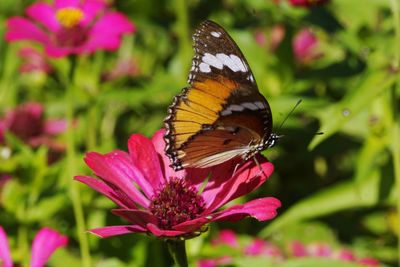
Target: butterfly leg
259	166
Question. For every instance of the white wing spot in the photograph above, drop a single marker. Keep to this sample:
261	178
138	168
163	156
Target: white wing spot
204	67
216	34
235	107
249	105
238	62
259	104
212	61
226	112
227	61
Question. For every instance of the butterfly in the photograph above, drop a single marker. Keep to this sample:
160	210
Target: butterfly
221	115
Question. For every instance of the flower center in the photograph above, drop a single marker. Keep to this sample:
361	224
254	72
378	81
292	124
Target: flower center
176	202
69	17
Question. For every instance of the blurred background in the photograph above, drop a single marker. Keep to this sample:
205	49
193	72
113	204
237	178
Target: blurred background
338	189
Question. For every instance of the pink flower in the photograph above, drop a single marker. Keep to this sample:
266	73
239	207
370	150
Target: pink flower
124	67
33	61
307	3
70	27
27	122
226	237
44	244
273	39
257	247
261	247
157	200
305	45
369	262
320	249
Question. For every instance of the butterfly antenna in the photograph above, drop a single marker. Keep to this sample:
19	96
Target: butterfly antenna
288	115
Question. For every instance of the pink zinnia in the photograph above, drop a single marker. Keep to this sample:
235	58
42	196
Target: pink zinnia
44	244
305	45
307	3
33	61
70	27
28	123
157	200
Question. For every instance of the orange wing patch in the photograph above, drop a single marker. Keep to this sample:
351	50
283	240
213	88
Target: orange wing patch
198	106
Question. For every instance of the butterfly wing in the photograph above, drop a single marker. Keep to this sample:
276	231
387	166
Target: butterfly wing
221	115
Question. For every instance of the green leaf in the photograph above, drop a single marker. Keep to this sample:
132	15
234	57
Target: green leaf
343	196
334	117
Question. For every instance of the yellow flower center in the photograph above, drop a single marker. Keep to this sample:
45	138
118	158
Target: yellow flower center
69	17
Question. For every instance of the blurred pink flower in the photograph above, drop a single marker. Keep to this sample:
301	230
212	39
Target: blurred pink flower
70	27
27	122
319	249
307	3
33	61
124	67
157	200
305	45
257	247
45	243
226	237
273	39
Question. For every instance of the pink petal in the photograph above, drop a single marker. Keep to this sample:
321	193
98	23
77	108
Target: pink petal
54	127
246	179
219	175
107	31
22	29
261	209
298	249
192	225
137	217
117	197
109	231
45	14
208	263
58	4
346	255
91	9
369	262
5	255
116	170
144	156
45	243
227	237
55	51
159	145
256	247
163	233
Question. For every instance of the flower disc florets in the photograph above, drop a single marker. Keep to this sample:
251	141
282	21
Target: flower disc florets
176	202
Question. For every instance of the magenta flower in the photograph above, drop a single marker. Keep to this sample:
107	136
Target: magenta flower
27	122
45	243
33	61
256	247
124	67
307	3
298	249
70	27
157	200
305	45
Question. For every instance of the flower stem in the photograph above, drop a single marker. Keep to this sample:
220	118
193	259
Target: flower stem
395	146
183	35
178	252
73	186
